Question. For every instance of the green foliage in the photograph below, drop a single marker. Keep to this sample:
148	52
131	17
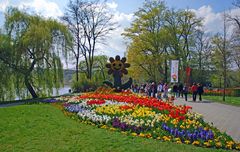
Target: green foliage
148	37
83	84
157	36
99	75
30	54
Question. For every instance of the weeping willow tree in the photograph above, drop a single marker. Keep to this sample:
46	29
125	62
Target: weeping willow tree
30	52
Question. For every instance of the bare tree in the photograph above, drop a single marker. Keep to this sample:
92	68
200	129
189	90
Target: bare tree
235	44
236	18
90	23
222	53
202	45
202	53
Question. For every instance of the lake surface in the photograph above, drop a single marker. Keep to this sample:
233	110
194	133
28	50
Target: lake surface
61	91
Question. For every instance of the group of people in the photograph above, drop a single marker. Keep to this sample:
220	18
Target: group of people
161	90
152	89
197	89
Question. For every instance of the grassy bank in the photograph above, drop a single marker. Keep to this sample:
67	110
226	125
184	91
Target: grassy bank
229	100
42	127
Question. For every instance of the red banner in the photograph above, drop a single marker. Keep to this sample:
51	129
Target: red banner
188	71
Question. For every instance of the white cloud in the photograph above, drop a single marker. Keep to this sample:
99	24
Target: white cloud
43	7
212	22
235	11
115	42
113	5
3	5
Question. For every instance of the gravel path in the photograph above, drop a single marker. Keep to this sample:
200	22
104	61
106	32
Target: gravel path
224	117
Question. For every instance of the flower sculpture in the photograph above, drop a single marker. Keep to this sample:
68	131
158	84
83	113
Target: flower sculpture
117	68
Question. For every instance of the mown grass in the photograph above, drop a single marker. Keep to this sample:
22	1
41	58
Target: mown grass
42	127
229	100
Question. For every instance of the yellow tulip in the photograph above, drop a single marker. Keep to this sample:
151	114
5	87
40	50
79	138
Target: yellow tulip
218	144
142	135
207	144
134	134
196	143
238	147
187	142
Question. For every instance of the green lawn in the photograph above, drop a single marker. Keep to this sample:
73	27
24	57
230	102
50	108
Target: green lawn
229	100
42	127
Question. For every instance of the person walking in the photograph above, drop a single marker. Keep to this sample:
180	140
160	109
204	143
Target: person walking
159	90
200	91
194	89
185	91
165	90
153	90
175	90
180	90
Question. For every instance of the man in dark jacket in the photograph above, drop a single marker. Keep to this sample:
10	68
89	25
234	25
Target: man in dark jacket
200	91
180	90
185	91
175	90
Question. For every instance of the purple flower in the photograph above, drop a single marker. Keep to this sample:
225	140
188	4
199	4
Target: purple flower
50	100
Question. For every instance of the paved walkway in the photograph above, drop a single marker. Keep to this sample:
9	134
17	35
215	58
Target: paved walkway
224	117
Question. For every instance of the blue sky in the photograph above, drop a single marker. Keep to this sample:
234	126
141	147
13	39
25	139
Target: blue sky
123	10
129	6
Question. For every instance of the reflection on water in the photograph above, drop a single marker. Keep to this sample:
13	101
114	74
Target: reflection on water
61	91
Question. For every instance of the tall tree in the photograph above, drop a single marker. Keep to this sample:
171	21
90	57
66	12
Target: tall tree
99	66
30	48
181	25
160	34
89	23
222	54
100	62
148	39
201	57
236	18
235	45
235	48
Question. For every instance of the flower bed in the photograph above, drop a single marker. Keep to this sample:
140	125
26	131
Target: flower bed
146	117
235	92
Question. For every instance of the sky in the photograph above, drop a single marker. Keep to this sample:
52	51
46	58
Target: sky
210	10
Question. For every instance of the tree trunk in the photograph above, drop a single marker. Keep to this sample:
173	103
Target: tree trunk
224	84
224	57
30	88
103	74
165	68
77	69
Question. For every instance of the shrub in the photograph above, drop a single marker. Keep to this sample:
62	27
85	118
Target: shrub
84	84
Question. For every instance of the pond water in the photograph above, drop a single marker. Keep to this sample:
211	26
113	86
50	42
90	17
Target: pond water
61	91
